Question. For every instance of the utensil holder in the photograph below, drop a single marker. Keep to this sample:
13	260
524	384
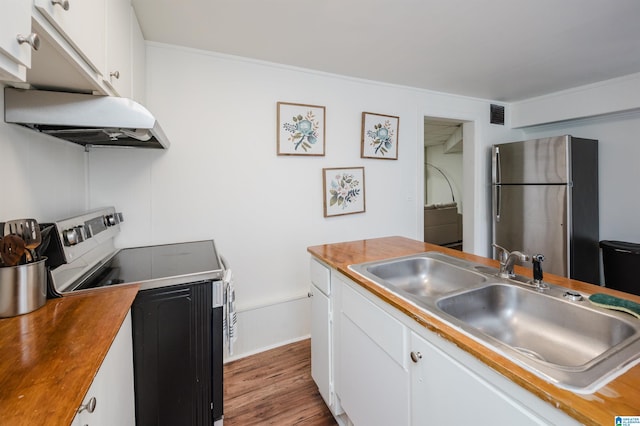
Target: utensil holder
23	288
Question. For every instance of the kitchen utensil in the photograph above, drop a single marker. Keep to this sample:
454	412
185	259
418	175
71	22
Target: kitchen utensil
29	230
23	288
12	249
45	234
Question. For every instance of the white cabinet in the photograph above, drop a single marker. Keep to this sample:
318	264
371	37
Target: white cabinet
321	347
138	62
117	73
15	26
87	46
444	391
321	343
322	363
373	385
390	370
82	24
112	387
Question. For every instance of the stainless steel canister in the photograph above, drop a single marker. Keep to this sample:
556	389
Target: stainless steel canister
23	288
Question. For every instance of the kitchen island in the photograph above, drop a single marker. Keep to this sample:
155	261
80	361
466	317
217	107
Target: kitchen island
51	356
619	397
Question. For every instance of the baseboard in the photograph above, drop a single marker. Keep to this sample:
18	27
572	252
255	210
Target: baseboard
266	327
265	348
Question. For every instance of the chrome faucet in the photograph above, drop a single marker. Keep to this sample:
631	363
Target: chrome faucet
508	259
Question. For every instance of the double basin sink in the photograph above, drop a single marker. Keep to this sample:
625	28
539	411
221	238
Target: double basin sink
553	332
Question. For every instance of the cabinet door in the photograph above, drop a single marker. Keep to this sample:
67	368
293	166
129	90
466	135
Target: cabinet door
138	62
173	360
444	391
118	70
82	25
374	381
112	386
15	20
321	343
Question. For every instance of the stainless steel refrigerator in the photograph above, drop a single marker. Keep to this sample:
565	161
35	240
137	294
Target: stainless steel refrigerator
545	200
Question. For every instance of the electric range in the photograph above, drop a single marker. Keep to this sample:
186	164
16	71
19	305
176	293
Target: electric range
177	316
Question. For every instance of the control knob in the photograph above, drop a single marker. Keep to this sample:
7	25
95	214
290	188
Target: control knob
71	237
113	219
109	220
75	235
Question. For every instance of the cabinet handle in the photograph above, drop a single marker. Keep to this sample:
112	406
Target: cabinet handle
89	406
63	3
310	294
416	356
32	40
115	74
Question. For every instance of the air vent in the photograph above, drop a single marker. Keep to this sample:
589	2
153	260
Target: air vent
497	114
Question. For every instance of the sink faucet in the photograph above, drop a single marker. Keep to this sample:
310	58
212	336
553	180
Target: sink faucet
537	272
508	259
537	268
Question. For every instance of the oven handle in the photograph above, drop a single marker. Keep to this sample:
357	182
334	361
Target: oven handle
221	288
229	313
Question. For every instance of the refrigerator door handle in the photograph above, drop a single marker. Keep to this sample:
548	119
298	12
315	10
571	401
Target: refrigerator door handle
498	177
498	202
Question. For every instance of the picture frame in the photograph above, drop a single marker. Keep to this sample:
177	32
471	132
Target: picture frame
379	136
343	190
301	129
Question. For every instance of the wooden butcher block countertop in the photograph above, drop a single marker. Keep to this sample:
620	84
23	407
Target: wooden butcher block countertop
49	357
620	397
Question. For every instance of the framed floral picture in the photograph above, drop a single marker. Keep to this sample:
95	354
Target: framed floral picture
343	190
300	129
379	136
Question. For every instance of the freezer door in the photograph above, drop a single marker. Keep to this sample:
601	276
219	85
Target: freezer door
543	161
533	219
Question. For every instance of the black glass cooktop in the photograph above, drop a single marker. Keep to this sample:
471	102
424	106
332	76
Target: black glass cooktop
158	266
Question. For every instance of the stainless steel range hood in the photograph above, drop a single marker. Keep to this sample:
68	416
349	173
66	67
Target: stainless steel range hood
89	120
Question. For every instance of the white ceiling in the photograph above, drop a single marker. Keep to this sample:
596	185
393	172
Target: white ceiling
438	131
503	50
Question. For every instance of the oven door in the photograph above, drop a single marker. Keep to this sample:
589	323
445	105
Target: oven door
178	350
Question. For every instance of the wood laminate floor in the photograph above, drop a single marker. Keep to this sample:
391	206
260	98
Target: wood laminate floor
274	388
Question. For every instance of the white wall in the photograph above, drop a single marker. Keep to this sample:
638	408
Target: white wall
42	177
222	179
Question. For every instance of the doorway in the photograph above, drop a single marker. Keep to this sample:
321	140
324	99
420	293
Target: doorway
443	181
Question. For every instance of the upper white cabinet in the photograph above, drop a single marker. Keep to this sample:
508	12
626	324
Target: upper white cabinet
82	24
138	61
118	70
91	46
16	40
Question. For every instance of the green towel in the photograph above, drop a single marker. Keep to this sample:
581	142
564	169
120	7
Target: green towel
612	302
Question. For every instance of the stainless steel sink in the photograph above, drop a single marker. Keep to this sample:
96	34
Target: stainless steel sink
540	326
568	342
423	275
